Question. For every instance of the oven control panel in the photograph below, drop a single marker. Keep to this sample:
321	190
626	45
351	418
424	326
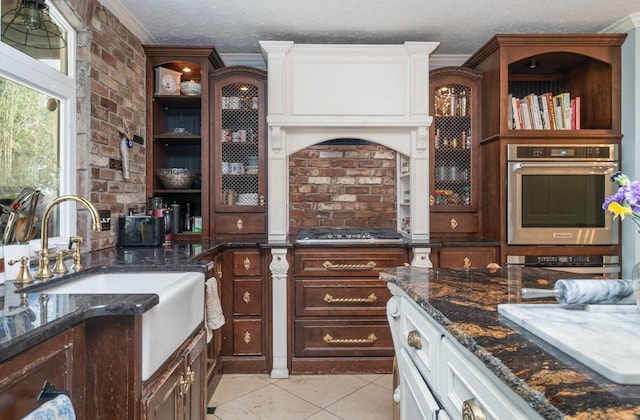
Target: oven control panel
608	152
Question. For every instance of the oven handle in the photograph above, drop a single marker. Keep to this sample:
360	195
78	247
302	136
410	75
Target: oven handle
515	166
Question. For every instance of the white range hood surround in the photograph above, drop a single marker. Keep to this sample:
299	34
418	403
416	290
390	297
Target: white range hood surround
372	92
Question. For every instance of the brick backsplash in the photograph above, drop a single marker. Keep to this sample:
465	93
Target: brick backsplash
110	88
342	186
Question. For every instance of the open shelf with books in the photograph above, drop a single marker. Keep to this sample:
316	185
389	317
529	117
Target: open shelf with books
579	74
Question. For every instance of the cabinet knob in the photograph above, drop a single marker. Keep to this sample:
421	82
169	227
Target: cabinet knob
239	224
246	337
453	223
246	298
414	340
471	410
432	200
247	263
262	200
466	263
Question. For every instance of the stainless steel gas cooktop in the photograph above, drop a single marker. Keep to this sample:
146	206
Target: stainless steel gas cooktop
348	236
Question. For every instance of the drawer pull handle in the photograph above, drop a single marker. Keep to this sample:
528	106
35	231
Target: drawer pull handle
369	340
247	263
453	223
246	298
466	262
432	200
247	337
472	411
331	266
239	224
372	298
414	340
262	201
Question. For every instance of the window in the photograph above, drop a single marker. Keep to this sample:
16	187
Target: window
37	121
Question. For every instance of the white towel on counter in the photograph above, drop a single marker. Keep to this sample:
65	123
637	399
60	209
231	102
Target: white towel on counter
213	316
59	408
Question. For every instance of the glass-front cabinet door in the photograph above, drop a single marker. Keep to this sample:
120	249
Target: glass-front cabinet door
454	187
239	198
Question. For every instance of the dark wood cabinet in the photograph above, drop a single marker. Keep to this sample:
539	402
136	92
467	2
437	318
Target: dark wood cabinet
454	187
245	335
339	322
466	256
58	360
586	66
179	128
238	115
180	391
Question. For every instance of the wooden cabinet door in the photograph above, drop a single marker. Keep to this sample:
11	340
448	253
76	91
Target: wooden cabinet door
467	257
22	377
165	402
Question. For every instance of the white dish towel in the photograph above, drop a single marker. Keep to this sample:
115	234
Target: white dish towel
213	316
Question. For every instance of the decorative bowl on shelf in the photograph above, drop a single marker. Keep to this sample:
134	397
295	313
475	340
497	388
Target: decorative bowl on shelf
191	88
176	178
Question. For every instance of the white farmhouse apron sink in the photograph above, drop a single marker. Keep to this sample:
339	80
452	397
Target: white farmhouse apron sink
166	325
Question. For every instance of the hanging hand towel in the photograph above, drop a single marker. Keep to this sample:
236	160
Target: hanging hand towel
214	318
59	408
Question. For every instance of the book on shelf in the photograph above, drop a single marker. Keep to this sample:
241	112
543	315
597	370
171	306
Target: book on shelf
544	112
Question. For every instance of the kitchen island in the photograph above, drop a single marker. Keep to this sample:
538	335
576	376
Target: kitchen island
462	305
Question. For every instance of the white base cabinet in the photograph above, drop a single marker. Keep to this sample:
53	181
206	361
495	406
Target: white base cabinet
439	378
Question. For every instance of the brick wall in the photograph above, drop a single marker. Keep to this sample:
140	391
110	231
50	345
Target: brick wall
342	186
110	89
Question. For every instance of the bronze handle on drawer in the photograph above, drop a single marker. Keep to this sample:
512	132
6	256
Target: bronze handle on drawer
466	263
239	224
369	299
247	263
414	340
471	410
369	340
246	297
261	200
453	223
331	266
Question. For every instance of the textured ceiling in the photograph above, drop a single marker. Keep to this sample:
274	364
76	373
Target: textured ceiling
461	26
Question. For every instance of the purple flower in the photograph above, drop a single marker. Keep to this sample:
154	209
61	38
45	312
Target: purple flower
632	195
618	197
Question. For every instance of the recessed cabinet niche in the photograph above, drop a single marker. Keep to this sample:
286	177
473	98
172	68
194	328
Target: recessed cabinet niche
178	128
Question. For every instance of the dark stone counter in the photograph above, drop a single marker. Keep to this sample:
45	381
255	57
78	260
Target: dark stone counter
28	316
465	303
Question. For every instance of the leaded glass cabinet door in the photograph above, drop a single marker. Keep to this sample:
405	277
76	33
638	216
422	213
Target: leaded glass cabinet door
240	134
454	194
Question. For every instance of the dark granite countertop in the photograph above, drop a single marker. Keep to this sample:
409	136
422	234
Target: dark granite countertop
465	303
29	316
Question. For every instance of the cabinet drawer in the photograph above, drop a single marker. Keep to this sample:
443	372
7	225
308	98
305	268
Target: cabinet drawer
466	257
420	339
247	337
247	263
454	223
464	378
247	297
347	262
341	297
240	223
344	338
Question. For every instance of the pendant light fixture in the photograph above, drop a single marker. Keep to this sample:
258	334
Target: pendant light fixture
29	25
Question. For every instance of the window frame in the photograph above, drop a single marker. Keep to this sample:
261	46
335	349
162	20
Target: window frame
27	71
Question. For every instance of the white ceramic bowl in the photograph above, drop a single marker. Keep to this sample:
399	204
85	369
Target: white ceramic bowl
248	199
191	88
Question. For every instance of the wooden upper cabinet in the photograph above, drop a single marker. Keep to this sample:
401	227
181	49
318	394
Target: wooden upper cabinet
178	127
585	65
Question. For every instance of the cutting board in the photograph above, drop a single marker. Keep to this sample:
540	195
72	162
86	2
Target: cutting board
606	341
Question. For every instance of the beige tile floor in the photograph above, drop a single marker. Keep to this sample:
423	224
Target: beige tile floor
312	397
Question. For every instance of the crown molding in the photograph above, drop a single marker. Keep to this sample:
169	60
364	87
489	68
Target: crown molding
625	24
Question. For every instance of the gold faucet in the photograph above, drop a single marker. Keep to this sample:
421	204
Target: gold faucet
44	272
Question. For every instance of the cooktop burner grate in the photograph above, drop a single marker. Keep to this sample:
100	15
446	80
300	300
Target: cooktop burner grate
348	236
